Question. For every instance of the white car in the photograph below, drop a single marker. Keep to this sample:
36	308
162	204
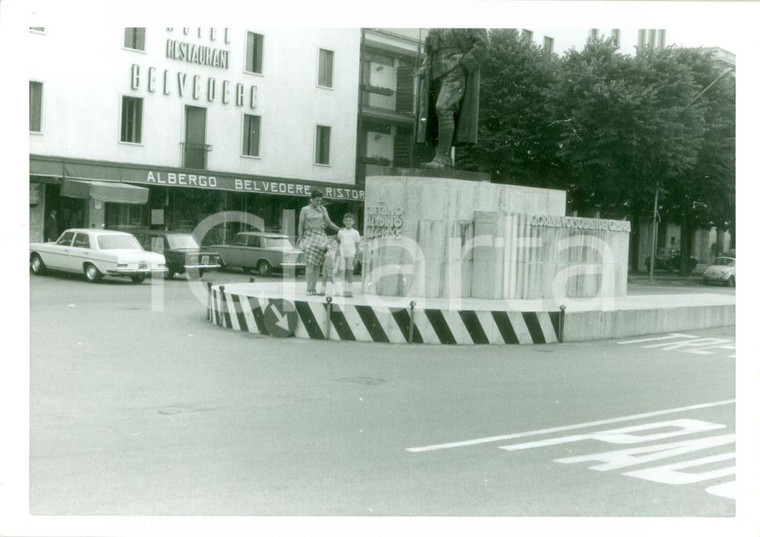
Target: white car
722	270
96	253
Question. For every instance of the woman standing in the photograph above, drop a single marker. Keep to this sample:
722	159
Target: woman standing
312	238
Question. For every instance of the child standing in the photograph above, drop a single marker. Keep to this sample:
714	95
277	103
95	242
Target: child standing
329	265
349	243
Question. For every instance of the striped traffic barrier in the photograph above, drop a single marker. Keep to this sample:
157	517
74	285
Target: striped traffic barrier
335	321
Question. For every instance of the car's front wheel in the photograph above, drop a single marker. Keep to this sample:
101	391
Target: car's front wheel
36	264
139	278
91	273
169	274
264	268
731	282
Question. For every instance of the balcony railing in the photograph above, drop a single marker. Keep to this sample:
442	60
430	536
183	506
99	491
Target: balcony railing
195	155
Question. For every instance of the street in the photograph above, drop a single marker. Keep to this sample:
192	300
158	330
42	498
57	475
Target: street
145	410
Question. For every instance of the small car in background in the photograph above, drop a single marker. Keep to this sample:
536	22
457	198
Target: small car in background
265	252
722	270
96	253
182	252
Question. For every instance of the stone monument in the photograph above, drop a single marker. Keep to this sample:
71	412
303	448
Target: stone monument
437	232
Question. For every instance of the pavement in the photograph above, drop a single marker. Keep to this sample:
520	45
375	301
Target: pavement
139	410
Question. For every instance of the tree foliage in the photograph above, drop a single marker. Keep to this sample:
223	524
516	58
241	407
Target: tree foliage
609	127
512	144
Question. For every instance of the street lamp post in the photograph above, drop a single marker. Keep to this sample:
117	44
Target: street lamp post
655	218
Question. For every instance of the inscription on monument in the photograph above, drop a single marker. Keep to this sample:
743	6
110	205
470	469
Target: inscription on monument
572	222
383	221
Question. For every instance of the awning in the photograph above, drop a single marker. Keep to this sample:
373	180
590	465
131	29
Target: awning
45	168
108	192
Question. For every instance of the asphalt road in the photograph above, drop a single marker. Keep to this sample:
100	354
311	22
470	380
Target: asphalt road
145	410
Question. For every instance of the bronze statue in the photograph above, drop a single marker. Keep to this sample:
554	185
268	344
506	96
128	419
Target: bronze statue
449	90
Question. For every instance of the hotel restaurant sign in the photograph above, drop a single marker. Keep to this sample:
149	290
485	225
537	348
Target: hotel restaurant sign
182	178
181	83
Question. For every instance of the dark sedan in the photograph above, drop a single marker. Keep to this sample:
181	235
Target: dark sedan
182	252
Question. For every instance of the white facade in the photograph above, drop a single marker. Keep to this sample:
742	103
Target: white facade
85	75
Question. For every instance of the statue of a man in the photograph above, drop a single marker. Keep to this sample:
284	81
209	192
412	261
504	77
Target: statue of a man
450	89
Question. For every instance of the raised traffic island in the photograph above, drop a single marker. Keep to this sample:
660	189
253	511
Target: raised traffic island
451	258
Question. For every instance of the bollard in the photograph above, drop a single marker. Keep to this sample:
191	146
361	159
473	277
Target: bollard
251	279
329	315
208	302
222	304
411	321
561	335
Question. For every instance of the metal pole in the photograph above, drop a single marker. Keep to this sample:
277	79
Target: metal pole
208	302
411	321
329	317
561	335
359	170
654	232
222	304
416	81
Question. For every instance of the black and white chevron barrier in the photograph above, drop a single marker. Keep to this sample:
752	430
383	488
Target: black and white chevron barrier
356	322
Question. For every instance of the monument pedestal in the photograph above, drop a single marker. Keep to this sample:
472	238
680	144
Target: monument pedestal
441	237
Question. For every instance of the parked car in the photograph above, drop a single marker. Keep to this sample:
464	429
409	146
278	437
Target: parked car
265	252
182	252
96	253
671	262
722	270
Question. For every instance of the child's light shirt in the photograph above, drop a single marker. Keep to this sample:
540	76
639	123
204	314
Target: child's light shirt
349	240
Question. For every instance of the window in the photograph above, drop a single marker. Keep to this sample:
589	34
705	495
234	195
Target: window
35	106
81	240
593	33
118	242
134	38
548	44
254	52
325	68
251	135
157	245
65	239
323	145
131	119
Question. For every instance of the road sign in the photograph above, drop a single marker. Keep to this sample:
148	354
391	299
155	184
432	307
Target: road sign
280	318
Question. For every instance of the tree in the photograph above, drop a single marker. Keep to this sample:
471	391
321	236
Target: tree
513	144
610	128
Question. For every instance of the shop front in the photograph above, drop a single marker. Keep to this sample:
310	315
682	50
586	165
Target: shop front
131	197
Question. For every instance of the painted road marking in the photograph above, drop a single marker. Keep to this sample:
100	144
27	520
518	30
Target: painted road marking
670	475
725	490
622	436
660	338
490	439
685	343
622	458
